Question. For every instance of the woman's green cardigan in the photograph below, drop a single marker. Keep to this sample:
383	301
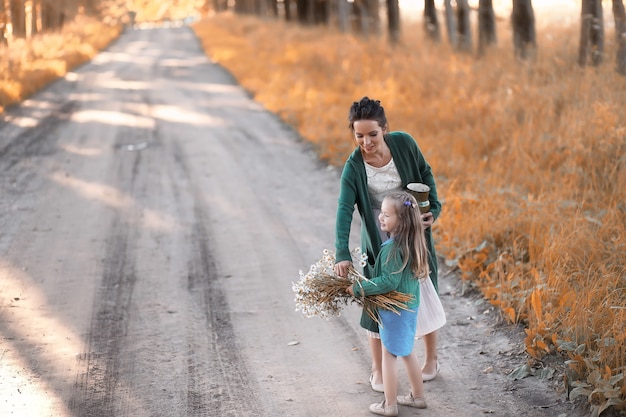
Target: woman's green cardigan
412	167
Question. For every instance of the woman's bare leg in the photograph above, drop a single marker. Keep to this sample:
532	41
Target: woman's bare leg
430	362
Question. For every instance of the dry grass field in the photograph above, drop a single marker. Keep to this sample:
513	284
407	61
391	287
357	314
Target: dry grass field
530	159
27	66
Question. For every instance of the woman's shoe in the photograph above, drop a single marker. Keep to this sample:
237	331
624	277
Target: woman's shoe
384	410
430	377
411	401
376	387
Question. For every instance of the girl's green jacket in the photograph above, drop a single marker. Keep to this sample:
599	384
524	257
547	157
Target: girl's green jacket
388	276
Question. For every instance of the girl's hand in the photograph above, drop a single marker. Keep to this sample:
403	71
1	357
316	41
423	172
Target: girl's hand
341	268
428	219
349	290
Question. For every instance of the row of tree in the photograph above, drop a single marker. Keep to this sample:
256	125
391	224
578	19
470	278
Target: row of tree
25	18
363	16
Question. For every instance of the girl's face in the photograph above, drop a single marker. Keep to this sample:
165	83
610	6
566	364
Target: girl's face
368	135
388	217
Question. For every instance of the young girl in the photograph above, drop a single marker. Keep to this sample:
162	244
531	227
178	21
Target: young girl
402	261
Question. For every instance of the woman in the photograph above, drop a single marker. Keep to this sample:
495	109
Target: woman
382	162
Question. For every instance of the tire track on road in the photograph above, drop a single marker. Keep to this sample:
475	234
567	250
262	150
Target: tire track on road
96	387
217	372
99	390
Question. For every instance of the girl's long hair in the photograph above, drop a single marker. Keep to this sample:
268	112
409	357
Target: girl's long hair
409	238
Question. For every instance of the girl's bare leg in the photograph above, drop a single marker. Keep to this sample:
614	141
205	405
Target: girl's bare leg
430	362
390	378
414	371
377	359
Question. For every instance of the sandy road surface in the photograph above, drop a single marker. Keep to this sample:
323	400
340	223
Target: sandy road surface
152	220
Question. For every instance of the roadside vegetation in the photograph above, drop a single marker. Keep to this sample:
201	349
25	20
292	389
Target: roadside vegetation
27	65
530	158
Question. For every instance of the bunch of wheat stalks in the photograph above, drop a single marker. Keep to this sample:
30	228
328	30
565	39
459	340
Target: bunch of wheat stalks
320	292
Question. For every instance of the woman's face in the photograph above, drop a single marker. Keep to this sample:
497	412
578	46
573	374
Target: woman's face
368	135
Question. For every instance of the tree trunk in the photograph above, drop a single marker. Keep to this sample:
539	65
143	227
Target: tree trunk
18	20
306	11
431	24
393	21
310	12
301	7
524	35
46	16
373	7
343	15
90	7
28	18
247	6
320	12
69	8
450	22
619	15
288	11
464	29
260	8
364	18
486	25
4	19
591	32
368	17
331	11
52	15
597	34
35	17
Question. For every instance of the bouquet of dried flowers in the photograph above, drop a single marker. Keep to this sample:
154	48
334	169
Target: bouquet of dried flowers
320	292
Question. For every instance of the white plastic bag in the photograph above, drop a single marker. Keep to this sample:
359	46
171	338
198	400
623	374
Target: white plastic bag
430	315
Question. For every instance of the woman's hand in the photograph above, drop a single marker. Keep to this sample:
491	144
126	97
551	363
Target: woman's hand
341	268
428	219
350	291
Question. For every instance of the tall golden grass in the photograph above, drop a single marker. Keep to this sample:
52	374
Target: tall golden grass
530	159
27	65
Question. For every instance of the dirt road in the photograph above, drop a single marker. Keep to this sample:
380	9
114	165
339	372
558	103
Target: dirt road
152	220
